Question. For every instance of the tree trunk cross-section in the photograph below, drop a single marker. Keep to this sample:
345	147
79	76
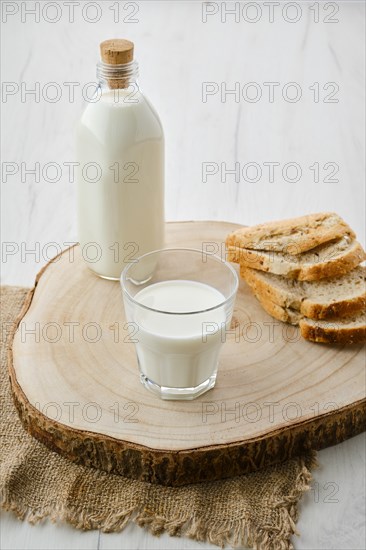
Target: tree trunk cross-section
75	382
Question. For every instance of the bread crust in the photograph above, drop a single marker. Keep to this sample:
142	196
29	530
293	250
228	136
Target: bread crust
343	308
333	267
292	236
332	334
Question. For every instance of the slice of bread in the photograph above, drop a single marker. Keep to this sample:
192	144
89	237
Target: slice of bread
342	331
284	314
324	299
292	236
331	259
350	330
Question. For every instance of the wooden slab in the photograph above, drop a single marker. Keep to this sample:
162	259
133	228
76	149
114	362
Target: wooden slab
76	384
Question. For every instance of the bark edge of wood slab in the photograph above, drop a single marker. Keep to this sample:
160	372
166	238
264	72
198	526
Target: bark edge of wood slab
193	462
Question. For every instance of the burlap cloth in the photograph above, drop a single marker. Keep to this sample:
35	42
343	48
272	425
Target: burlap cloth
257	510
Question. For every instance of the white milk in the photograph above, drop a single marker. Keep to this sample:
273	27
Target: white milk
122	212
179	351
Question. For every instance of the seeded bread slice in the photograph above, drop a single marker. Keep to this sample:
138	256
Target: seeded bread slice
331	259
325	299
342	331
292	236
284	314
350	330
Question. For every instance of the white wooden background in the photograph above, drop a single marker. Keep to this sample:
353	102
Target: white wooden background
321	51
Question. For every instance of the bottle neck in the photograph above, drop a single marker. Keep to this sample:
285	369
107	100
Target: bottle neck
117	76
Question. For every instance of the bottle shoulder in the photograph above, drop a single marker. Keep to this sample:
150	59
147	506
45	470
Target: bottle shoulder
127	112
154	112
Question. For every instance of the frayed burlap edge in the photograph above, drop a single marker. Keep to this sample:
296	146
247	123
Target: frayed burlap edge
220	533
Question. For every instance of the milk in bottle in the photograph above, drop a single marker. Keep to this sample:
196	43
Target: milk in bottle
120	151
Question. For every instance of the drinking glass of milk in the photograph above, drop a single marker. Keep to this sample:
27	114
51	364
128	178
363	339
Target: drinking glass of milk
181	314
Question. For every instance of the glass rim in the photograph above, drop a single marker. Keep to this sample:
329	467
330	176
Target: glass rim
124	279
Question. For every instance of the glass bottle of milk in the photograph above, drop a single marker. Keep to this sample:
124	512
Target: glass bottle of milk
120	151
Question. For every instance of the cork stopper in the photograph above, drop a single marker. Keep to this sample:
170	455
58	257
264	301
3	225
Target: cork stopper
116	51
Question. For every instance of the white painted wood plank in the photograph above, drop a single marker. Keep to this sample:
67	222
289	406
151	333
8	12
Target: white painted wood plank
17	535
332	514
